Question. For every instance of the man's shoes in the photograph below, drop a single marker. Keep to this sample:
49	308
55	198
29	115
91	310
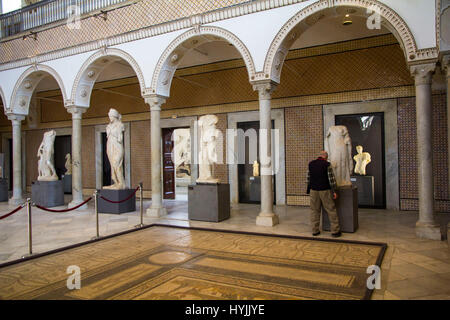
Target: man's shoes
337	234
316	233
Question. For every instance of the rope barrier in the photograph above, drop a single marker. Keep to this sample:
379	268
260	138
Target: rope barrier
12	212
64	210
128	198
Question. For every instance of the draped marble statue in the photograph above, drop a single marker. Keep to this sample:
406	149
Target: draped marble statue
208	143
362	159
339	147
115	149
182	152
68	164
45	153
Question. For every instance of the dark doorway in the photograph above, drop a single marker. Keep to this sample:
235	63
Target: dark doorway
168	165
106	165
249	186
367	130
63	146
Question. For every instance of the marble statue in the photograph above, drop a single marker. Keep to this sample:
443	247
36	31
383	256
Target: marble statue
45	153
362	159
255	168
182	152
68	164
339	147
208	143
115	150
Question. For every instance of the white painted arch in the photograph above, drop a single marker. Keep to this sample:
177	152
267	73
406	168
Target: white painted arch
91	70
2	96
294	27
172	55
27	83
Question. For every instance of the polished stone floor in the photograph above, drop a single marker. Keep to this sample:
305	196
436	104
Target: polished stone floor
412	268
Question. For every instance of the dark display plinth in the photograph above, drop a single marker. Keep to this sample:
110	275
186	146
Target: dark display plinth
48	193
116	195
347	210
209	202
3	189
67	180
255	189
365	186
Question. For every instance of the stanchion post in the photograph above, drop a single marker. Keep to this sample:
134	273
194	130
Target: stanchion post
30	230
141	204
96	214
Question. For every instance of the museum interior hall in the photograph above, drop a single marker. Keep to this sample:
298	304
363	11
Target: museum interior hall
164	149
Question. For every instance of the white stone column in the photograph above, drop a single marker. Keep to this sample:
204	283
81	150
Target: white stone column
266	217
17	197
77	171
426	226
156	208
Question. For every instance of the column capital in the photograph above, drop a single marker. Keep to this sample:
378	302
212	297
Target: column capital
155	102
15	117
423	73
445	63
264	88
76	111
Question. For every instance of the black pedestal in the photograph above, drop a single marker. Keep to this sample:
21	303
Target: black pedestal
209	202
3	189
48	193
255	189
365	186
67	181
347	210
116	195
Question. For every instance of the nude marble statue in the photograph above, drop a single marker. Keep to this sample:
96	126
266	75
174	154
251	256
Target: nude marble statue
115	149
46	169
362	159
208	143
339	147
68	164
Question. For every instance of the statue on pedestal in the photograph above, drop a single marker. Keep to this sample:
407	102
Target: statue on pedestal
208	144
45	153
362	160
255	168
115	150
68	164
339	147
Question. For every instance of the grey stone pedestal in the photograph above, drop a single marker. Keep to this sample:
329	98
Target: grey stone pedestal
48	193
116	195
365	186
209	202
347	210
67	180
3	189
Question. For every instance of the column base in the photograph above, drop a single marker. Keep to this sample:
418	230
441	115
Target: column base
75	203
428	231
156	212
267	220
16	201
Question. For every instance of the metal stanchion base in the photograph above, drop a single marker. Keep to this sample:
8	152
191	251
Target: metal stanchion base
28	255
139	225
95	238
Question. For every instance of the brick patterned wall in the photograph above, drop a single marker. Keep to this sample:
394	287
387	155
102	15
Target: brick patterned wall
304	140
221	170
141	154
88	156
408	164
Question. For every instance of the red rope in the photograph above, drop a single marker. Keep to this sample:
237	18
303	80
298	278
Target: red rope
65	210
131	196
12	212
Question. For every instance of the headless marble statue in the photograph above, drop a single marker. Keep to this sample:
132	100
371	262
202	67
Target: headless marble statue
68	164
339	147
208	152
115	150
45	153
362	160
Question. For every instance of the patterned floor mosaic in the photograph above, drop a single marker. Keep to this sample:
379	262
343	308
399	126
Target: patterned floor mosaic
171	263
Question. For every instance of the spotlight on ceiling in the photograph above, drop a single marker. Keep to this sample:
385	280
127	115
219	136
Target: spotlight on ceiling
347	20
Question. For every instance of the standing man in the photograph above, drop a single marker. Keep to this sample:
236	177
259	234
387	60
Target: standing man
322	185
